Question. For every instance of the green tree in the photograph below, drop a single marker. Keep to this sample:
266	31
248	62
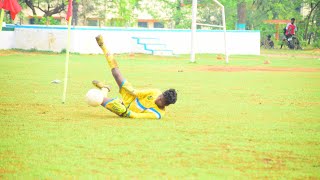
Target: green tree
75	10
121	11
180	12
29	3
313	14
87	8
125	11
231	12
242	14
285	9
49	8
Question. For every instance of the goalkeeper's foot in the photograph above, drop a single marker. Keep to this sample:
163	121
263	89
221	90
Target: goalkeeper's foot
100	85
99	40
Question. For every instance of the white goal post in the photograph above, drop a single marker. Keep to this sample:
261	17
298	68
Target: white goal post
194	29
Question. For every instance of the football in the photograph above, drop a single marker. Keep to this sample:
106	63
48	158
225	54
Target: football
94	97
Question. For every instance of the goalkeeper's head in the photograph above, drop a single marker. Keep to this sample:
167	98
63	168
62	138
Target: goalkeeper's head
170	97
166	98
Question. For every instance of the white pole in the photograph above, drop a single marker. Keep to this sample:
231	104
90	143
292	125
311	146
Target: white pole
193	30
224	31
225	35
67	63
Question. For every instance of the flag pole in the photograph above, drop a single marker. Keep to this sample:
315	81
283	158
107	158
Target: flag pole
67	62
1	18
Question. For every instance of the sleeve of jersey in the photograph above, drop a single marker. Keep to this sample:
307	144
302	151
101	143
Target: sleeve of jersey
137	92
145	92
145	115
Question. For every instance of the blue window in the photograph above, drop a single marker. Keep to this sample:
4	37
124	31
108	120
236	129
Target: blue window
158	25
143	24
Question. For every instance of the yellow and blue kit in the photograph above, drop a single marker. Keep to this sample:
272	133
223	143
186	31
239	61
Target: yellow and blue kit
136	103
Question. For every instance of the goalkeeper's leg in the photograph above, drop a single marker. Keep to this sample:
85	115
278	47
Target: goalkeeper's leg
109	57
111	61
115	106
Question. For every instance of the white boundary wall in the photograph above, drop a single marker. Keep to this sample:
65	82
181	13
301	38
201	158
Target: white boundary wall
7	39
119	40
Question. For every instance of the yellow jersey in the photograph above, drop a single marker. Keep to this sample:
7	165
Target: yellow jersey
141	103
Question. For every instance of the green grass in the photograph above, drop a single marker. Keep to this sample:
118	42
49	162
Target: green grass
245	124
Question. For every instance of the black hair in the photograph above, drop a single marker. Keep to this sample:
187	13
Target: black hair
293	19
170	96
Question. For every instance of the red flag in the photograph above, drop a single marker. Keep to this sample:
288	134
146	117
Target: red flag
1	4
69	13
12	6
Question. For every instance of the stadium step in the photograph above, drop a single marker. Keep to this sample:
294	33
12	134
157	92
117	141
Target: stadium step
144	40
156	46
152	46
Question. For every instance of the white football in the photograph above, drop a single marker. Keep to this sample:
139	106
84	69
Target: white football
94	97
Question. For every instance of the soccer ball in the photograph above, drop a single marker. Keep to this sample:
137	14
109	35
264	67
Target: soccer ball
94	97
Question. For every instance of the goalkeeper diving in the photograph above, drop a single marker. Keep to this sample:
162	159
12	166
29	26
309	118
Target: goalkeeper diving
147	103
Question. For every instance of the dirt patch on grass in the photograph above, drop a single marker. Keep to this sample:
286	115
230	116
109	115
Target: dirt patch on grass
5	171
241	68
8	52
24	52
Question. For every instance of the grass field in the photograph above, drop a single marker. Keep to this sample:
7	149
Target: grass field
244	120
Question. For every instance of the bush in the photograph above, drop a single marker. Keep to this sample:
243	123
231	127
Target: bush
44	20
63	51
316	44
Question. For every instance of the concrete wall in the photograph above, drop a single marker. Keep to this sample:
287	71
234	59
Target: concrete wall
7	39
119	40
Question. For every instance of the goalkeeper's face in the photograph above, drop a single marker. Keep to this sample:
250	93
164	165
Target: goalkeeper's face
161	101
166	98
